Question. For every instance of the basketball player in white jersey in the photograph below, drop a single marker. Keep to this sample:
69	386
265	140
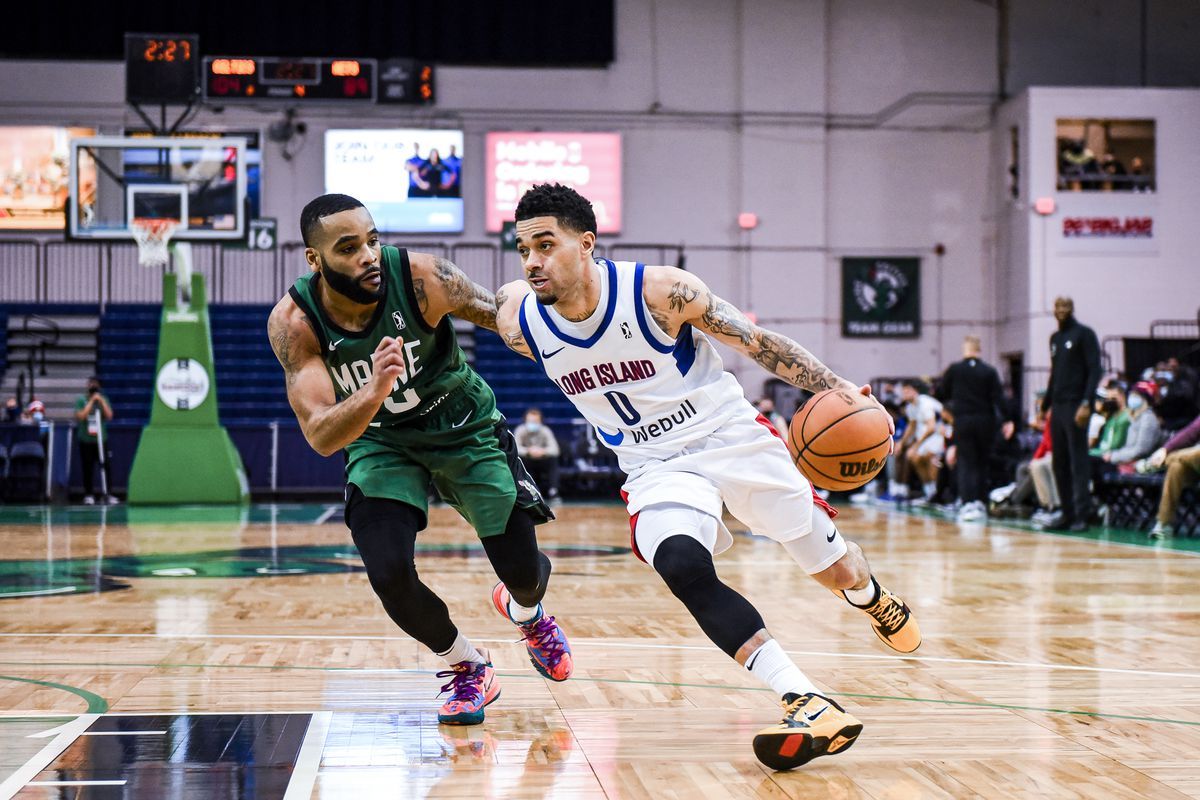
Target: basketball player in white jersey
629	345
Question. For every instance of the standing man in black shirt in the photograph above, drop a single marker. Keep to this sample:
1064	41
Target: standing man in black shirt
971	390
1074	376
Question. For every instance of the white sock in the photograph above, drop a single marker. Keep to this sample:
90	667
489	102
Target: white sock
462	650
930	490
521	613
865	596
773	667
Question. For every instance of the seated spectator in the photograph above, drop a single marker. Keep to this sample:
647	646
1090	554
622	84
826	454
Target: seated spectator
1181	458
1117	419
1178	392
1041	474
538	449
1144	431
12	410
766	407
922	445
1115	170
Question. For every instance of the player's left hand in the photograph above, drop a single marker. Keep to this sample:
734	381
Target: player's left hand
865	390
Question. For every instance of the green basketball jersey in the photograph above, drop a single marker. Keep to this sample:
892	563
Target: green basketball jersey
434	365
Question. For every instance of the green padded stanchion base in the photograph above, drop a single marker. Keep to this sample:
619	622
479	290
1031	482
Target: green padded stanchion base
186	465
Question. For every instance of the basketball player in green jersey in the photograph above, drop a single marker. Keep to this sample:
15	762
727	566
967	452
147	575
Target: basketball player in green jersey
373	369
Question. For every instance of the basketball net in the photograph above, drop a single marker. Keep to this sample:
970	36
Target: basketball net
152	237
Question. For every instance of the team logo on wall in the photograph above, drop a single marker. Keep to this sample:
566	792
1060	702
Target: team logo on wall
398	318
881	297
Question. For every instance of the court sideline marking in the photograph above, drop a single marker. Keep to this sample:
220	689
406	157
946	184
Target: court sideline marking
609	643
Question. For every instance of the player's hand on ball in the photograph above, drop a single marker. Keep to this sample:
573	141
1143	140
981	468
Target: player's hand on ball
865	390
388	365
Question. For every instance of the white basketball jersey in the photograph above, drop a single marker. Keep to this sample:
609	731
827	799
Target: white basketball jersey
647	395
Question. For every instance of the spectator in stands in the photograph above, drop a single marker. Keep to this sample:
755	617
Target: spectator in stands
1117	419
972	392
92	414
766	407
1140	180
538	449
1074	378
1181	458
1144	431
1115	171
12	410
922	446
1178	393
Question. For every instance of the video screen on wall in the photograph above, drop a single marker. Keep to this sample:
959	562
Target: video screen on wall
590	163
33	176
410	179
1105	155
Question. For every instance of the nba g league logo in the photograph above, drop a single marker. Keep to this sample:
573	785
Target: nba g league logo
880	288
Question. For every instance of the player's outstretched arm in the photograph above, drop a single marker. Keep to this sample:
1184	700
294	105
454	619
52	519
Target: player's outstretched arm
675	297
327	424
442	288
508	316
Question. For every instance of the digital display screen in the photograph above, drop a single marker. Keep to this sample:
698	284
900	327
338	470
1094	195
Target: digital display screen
161	68
33	176
590	163
301	79
410	179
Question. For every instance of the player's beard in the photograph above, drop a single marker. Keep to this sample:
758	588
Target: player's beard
352	288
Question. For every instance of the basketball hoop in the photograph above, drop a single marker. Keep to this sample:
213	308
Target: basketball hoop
152	236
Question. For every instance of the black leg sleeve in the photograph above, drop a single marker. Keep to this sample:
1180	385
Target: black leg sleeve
385	532
727	618
517	561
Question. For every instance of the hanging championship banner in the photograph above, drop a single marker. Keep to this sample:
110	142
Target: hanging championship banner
881	298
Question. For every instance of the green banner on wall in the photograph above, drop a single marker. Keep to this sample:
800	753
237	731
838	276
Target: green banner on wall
881	298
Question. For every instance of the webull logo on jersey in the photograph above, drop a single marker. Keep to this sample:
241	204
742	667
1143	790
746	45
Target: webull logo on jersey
608	374
854	469
653	430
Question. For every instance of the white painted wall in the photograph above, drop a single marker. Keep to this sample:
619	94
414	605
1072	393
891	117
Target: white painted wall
771	106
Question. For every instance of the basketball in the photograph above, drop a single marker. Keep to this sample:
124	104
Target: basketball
839	439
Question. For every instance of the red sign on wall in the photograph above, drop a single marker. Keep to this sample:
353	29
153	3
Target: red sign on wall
1109	227
590	163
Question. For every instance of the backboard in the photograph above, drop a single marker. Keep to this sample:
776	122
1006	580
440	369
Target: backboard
199	183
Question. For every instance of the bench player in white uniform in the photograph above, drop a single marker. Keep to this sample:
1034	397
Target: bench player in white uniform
629	346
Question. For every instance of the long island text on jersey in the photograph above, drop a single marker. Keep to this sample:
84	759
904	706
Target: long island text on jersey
646	394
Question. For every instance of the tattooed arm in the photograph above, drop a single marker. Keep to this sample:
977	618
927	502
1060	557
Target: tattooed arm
508	316
442	288
327	424
675	298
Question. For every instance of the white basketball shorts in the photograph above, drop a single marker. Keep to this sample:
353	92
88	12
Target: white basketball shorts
744	466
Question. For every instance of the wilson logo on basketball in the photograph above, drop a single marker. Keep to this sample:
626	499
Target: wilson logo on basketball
853	469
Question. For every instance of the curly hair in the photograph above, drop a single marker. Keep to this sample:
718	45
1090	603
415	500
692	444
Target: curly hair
572	210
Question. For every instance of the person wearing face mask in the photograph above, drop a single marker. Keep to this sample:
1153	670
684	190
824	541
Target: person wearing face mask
93	412
1144	429
1114	429
538	449
1074	377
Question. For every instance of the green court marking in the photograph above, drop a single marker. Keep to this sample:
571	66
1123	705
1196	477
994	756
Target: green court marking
95	703
625	681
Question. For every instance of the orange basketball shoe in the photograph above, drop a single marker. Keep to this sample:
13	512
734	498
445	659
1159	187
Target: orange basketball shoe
472	686
547	645
812	726
892	619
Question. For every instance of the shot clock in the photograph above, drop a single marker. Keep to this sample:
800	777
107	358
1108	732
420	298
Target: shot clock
162	67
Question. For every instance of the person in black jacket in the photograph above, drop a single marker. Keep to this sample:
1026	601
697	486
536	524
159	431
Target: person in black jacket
971	390
1074	376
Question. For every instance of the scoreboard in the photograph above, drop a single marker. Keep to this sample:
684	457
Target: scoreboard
259	78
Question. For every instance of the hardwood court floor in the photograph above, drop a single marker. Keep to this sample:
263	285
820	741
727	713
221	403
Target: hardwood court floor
1052	667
